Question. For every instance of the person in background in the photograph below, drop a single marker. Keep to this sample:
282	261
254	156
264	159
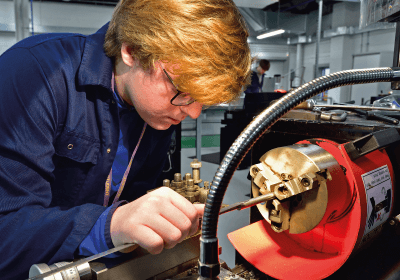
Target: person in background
257	77
86	123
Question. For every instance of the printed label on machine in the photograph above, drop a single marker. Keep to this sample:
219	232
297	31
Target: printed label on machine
378	188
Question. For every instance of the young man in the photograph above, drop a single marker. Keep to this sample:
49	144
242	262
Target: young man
85	128
257	77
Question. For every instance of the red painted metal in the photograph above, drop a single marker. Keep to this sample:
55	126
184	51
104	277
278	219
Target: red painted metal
323	250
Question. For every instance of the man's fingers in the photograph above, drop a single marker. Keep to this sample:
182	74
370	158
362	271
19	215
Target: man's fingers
184	205
200	209
158	220
167	231
149	240
187	225
195	225
178	219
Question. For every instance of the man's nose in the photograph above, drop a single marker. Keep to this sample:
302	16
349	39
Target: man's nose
193	110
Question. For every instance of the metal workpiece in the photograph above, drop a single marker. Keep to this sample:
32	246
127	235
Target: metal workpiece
196	165
188	176
167	183
187	187
203	195
177	177
190	185
204	192
185	179
296	178
177	183
191	192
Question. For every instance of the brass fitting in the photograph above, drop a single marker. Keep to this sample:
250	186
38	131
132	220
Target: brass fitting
196	165
190	190
185	179
190	186
167	183
177	177
177	183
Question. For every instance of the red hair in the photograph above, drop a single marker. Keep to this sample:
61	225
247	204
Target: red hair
206	38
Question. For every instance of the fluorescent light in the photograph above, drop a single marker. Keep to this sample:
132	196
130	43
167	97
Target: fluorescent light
269	34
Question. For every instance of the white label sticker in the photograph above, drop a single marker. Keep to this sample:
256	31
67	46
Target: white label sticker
378	188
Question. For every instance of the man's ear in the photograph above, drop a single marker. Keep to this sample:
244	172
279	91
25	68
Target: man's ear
126	55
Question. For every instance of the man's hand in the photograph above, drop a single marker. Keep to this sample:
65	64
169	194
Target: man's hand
157	220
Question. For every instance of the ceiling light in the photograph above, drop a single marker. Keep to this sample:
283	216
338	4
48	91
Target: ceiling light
271	33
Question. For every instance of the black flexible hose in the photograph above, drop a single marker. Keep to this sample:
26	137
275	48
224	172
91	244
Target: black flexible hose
260	124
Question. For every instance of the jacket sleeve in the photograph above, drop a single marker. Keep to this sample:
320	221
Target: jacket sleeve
99	238
30	231
255	84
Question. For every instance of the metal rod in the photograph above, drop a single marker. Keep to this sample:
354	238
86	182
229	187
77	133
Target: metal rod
247	203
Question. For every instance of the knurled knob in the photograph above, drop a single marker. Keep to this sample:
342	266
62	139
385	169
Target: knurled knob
195	163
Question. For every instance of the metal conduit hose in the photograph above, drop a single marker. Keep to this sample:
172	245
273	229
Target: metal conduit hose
209	266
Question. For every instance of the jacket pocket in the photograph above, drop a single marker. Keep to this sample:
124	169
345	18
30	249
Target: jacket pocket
77	147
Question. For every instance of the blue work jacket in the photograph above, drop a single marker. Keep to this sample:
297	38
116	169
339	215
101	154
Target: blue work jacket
59	132
256	85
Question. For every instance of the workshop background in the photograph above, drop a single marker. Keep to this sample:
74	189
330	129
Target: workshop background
296	56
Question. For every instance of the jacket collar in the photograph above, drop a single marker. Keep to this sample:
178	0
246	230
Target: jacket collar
96	68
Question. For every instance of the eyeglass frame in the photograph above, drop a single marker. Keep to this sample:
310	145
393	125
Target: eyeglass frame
178	92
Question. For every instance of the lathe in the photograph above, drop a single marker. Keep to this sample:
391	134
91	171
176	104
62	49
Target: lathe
332	209
332	197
